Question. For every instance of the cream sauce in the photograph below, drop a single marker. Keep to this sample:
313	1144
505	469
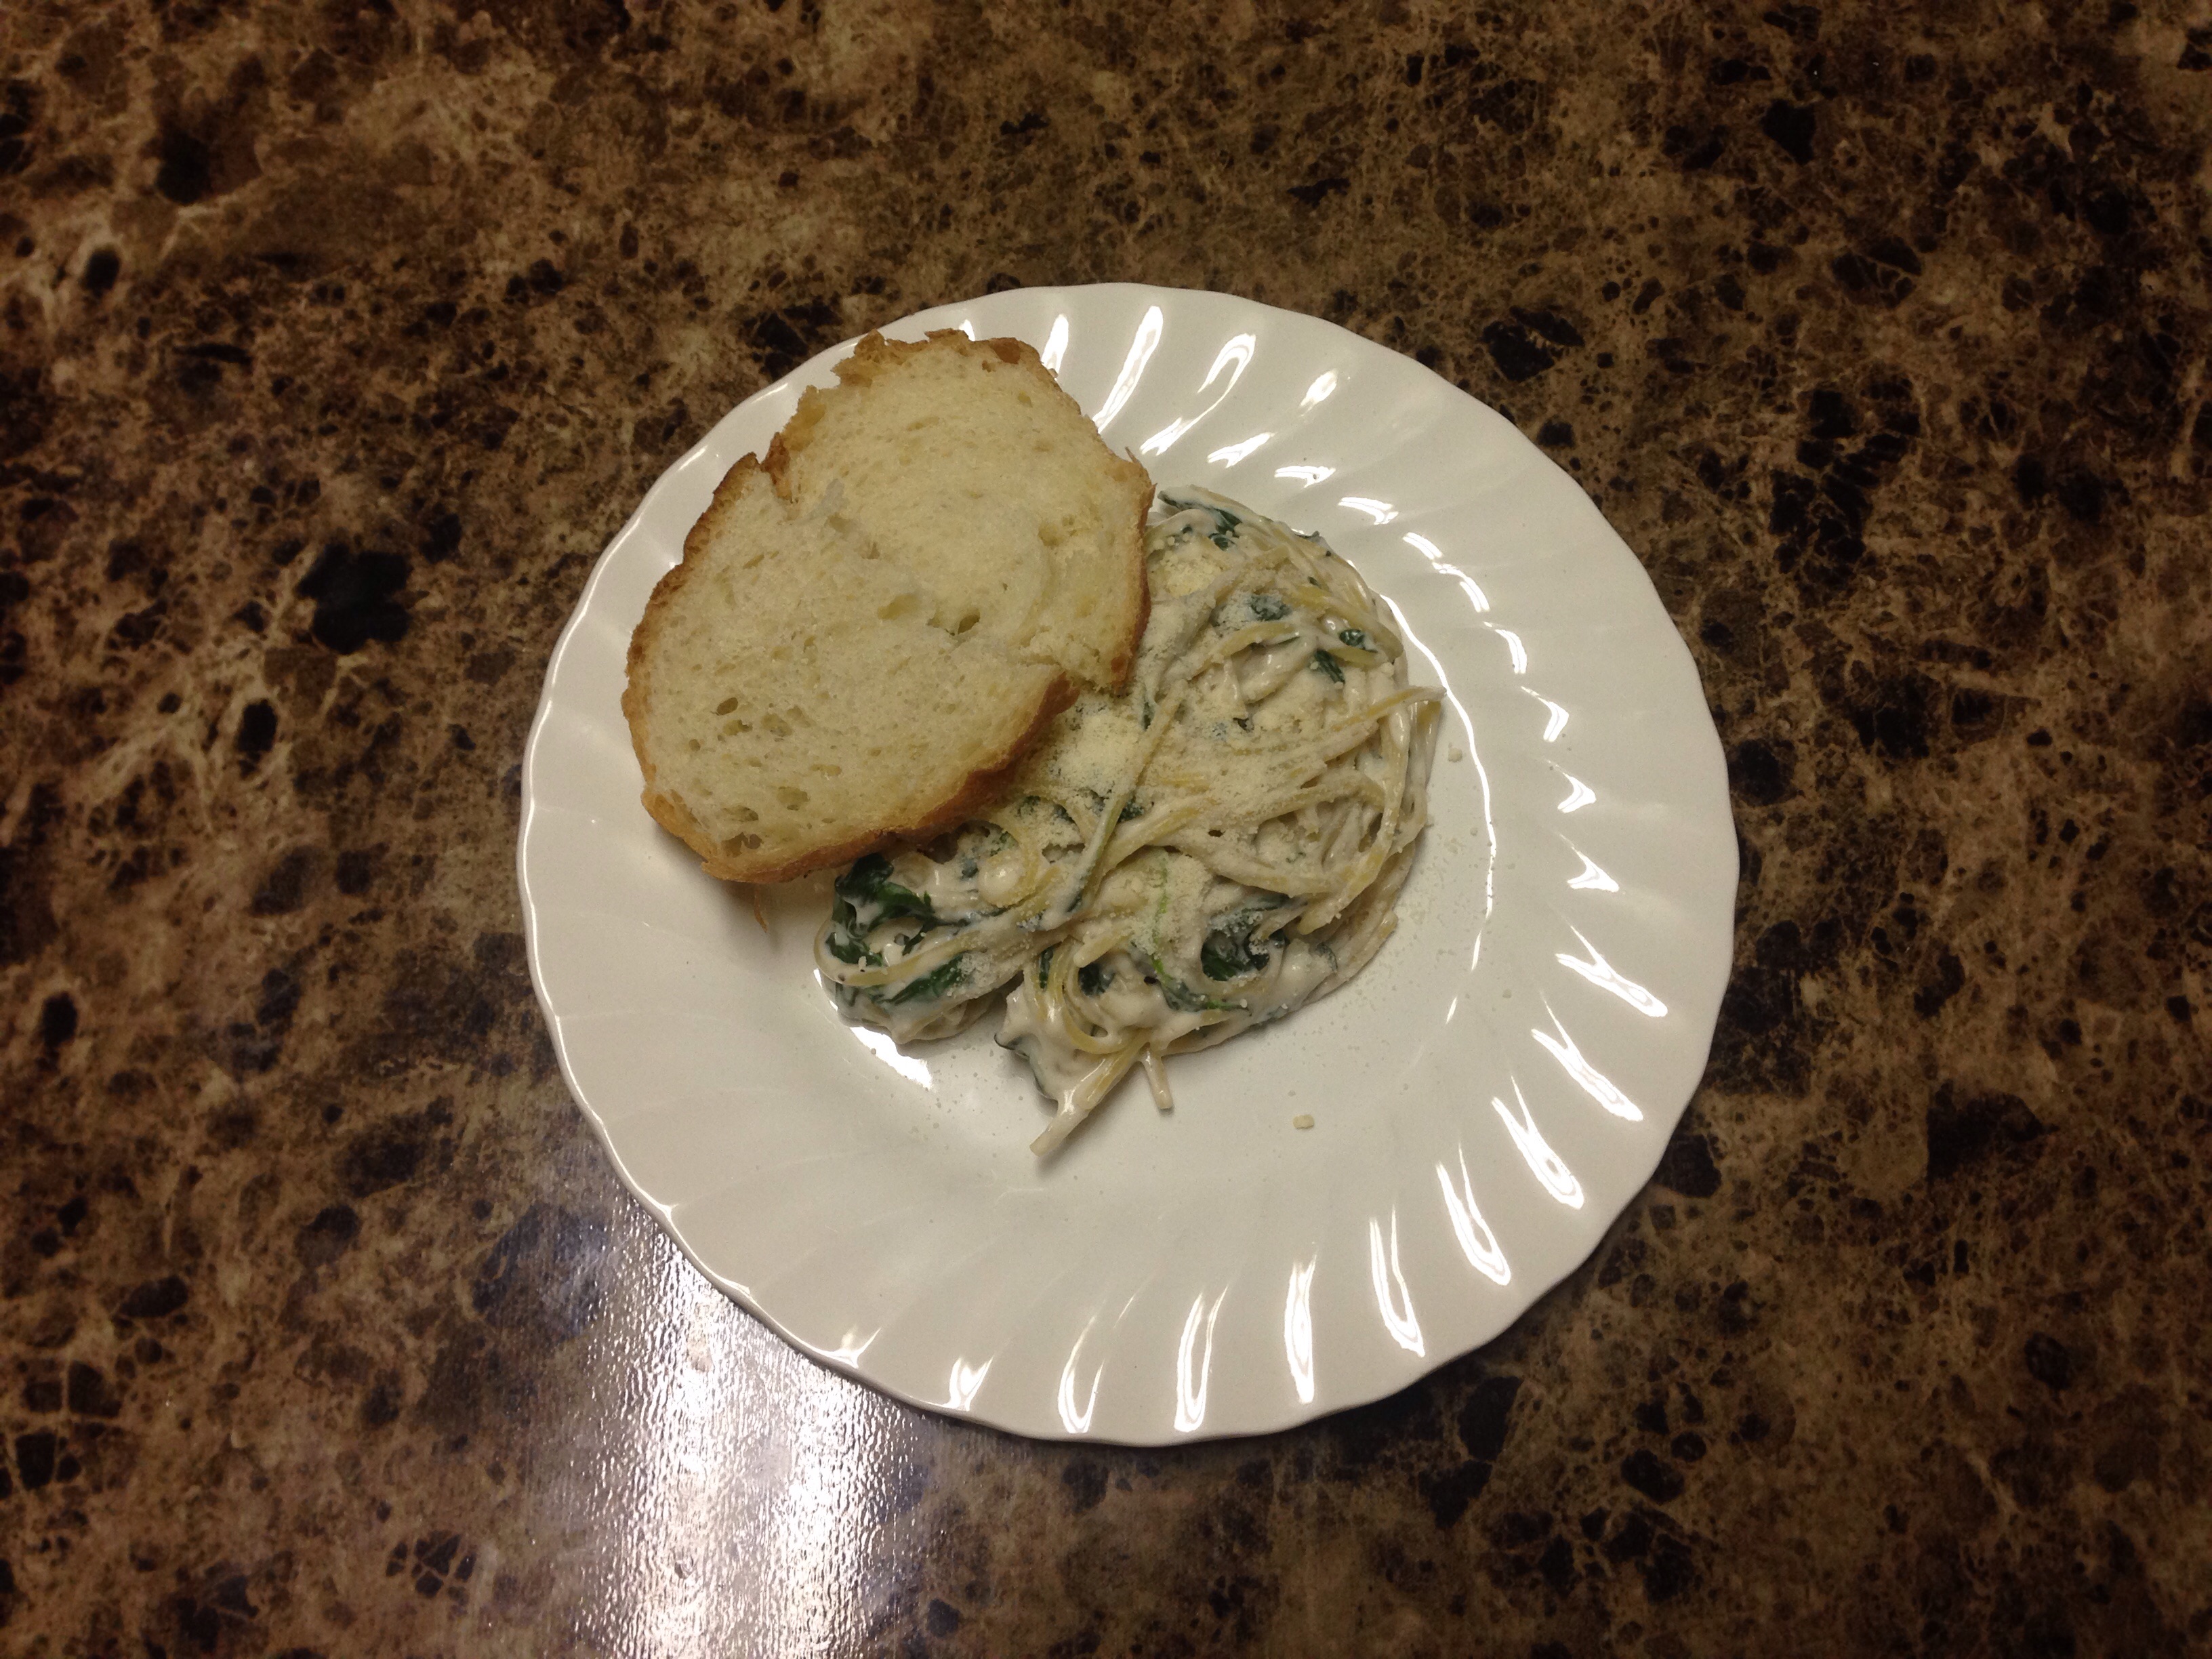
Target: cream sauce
1175	951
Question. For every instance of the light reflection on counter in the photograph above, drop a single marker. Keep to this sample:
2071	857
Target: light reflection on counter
742	1490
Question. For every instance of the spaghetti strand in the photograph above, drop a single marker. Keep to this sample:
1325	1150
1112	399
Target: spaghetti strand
1221	843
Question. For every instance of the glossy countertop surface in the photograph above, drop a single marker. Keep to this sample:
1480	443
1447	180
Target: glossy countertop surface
334	346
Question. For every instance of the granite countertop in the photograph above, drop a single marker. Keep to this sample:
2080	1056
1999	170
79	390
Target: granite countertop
338	341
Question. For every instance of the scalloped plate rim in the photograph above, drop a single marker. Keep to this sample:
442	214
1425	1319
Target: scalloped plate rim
1644	1160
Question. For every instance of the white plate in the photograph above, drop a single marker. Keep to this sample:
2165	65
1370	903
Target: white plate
1487	1097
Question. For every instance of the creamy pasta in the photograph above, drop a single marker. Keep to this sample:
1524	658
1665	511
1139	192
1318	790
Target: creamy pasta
1220	844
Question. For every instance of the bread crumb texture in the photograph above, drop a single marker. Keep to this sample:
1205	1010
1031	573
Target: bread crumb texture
868	628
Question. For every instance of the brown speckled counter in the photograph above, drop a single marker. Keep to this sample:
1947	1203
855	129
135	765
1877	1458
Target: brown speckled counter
334	343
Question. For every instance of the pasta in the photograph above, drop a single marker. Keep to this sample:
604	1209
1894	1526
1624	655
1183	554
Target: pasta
1218	845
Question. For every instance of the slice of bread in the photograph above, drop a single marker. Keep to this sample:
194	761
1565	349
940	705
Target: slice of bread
867	631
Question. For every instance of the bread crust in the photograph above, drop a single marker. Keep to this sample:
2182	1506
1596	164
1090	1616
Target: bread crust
982	785
637	666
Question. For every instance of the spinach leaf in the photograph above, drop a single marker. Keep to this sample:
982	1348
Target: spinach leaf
935	983
1268	607
1328	665
865	895
899	900
1178	995
1094	977
1229	953
860	886
1355	637
861	881
1224	522
849	947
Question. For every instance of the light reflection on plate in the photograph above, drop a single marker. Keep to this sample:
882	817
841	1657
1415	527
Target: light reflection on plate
1213	1270
911	1067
